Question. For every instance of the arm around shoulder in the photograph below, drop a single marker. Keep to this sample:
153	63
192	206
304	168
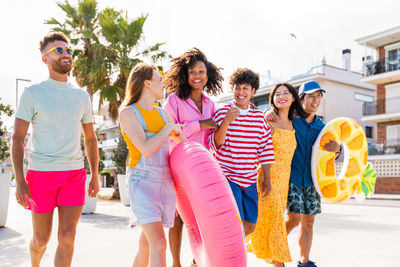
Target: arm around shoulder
270	115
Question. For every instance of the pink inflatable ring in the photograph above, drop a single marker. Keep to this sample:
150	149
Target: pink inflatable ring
207	207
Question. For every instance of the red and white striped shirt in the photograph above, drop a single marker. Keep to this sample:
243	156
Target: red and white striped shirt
247	140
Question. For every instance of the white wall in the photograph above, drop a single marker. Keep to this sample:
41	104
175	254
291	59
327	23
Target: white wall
339	101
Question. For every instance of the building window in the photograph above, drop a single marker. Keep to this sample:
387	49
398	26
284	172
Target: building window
368	131
262	102
392	98
392	52
392	134
363	98
393	59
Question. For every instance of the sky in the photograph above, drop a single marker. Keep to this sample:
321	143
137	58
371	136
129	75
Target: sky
232	34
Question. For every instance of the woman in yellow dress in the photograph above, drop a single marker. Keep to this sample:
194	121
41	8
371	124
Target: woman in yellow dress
269	240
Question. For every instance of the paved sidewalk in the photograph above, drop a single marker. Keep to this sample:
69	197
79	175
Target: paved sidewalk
386	196
351	234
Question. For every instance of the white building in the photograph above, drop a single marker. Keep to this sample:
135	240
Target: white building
108	132
382	69
345	95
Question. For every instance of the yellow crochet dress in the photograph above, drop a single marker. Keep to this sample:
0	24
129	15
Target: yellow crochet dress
269	240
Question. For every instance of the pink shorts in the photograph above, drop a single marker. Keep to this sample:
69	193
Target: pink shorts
50	189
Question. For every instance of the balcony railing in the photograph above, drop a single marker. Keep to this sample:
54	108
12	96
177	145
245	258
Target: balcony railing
381	106
381	66
391	146
109	143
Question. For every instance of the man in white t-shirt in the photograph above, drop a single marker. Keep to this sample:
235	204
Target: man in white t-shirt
56	175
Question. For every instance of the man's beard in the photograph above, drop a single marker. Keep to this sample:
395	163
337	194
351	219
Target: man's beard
61	68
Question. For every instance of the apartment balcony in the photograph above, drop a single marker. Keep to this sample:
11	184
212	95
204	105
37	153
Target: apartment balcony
383	71
389	149
107	126
382	110
108	144
109	165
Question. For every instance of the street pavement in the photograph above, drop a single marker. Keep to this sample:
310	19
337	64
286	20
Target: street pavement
355	234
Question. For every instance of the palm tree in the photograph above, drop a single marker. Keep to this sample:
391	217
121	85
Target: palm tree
4	142
123	36
92	63
107	43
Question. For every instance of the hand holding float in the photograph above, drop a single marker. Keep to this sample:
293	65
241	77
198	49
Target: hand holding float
207	207
351	136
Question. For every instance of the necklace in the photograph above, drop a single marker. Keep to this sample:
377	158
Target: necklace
198	103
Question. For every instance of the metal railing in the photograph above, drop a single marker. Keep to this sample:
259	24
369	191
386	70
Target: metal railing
109	143
381	106
391	146
381	66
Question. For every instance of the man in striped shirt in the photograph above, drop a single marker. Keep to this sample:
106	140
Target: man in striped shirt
242	140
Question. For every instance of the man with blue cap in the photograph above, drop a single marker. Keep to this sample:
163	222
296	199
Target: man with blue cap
304	203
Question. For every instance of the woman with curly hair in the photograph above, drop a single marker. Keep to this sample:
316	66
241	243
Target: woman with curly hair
190	75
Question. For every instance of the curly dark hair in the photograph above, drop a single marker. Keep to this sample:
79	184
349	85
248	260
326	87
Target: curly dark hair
51	37
176	79
295	107
245	75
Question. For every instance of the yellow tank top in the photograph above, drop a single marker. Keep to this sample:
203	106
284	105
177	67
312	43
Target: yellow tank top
154	123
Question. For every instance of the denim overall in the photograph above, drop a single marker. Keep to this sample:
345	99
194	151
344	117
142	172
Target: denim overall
150	185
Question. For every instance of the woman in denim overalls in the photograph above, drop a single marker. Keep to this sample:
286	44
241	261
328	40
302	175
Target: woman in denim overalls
152	193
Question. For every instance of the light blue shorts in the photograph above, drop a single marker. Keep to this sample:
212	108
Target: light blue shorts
152	197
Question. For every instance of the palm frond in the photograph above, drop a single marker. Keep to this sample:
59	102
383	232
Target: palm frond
110	93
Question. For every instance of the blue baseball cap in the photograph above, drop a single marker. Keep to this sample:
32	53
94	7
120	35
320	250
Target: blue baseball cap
310	87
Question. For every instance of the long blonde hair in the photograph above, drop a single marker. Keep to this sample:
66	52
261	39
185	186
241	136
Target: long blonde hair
135	83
